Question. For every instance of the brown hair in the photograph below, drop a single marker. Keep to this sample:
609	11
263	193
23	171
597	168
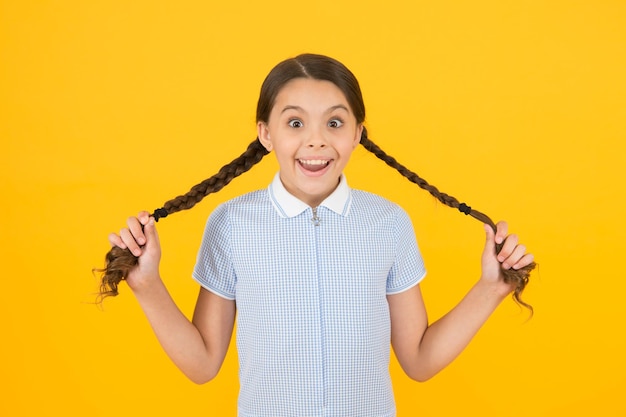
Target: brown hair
119	261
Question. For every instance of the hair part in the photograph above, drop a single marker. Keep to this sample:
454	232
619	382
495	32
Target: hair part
118	262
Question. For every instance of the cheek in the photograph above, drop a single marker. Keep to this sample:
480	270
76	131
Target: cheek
345	149
351	140
285	149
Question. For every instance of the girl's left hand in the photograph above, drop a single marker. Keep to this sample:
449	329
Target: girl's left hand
512	255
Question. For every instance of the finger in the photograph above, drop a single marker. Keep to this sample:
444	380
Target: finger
136	229
507	247
515	257
502	229
130	242
526	260
115	240
143	217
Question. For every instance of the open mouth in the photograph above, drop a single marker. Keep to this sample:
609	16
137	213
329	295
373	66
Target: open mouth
313	165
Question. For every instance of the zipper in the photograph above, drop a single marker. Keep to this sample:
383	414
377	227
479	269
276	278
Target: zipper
316	220
324	394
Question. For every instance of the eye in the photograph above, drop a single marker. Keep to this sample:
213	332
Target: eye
295	123
335	123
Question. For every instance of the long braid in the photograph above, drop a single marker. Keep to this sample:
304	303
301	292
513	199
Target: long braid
518	277
319	67
250	157
118	262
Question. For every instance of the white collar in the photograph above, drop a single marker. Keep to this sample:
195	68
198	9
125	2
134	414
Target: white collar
288	205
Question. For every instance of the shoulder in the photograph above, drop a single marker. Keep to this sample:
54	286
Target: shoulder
245	206
371	209
253	198
364	202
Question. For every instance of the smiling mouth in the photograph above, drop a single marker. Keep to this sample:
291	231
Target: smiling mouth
314	165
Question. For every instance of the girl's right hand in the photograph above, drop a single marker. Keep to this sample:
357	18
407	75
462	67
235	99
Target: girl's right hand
142	239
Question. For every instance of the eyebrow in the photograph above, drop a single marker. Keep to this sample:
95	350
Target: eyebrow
330	109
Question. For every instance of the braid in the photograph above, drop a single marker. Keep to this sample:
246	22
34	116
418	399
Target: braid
252	155
119	261
517	277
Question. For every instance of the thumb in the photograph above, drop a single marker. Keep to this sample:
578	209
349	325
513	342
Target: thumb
152	236
490	240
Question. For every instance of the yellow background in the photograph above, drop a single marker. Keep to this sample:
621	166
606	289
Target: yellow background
110	107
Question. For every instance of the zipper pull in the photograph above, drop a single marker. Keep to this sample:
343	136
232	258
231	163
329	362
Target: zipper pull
316	220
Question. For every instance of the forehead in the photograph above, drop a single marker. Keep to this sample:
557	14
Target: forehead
309	93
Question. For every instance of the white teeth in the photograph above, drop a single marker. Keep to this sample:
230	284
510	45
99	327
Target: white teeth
313	161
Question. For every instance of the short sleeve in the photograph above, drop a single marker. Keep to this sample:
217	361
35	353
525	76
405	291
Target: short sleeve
408	269
214	269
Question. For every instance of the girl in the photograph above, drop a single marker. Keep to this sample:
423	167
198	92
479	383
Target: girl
322	278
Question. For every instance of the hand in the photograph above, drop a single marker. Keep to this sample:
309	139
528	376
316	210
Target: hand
512	255
141	238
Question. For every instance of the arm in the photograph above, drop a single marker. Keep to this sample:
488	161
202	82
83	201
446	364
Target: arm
197	347
423	350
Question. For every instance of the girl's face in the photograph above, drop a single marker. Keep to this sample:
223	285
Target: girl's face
313	132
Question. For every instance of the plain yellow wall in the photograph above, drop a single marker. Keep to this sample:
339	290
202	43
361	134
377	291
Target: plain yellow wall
516	107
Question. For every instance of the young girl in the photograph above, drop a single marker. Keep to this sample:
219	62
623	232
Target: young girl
322	277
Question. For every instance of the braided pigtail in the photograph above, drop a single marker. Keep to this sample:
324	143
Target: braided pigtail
518	277
118	262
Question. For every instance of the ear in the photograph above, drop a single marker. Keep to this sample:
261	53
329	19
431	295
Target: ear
357	138
264	135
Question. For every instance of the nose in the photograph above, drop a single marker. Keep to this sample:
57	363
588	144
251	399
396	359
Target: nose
316	139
